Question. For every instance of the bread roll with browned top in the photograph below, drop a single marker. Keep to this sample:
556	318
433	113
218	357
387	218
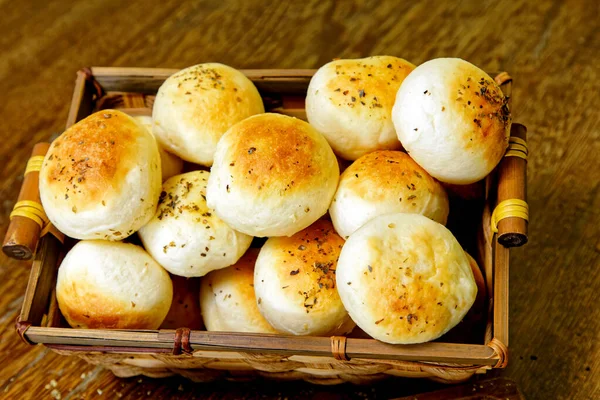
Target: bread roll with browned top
227	299
101	178
350	103
273	175
385	182
112	285
170	164
185	236
294	281
405	279
195	106
453	120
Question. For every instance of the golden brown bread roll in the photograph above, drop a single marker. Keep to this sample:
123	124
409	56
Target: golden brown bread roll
350	103
273	176
295	286
112	285
101	178
195	106
227	298
385	182
453	120
405	279
185	236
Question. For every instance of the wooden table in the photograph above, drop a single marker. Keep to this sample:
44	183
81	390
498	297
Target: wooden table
551	48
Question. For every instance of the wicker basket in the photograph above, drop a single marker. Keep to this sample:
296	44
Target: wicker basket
203	356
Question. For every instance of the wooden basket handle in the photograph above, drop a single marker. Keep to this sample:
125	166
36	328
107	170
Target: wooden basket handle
28	220
511	215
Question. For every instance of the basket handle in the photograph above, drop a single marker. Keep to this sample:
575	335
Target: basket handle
511	215
28	221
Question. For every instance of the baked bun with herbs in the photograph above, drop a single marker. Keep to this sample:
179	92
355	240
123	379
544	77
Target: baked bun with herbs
405	279
195	106
170	164
294	281
101	178
185	236
112	285
227	299
273	175
350	103
453	120
385	182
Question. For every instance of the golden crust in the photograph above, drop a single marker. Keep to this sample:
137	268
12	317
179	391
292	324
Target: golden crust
83	307
241	277
275	153
306	264
240	274
405	279
486	108
382	174
196	106
112	285
367	84
90	160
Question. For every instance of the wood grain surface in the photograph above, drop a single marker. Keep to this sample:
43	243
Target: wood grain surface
551	48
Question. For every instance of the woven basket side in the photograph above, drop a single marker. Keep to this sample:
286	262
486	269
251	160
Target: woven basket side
244	366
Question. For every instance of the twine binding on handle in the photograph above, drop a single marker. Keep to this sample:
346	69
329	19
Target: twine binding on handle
32	210
517	147
35	212
338	348
516	208
34	164
501	351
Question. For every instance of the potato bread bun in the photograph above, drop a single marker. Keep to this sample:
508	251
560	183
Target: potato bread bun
405	279
101	178
112	285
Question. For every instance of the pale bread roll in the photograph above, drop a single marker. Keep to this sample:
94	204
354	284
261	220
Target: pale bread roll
273	175
453	120
350	103
185	236
227	299
385	182
112	285
101	178
195	106
294	281
405	279
171	165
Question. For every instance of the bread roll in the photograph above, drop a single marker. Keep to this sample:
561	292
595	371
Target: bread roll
185	310
405	279
195	106
453	120
294	281
170	164
112	285
227	299
101	178
350	103
184	236
385	182
273	176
